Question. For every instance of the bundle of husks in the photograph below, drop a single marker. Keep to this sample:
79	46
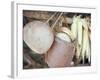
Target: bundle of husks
81	31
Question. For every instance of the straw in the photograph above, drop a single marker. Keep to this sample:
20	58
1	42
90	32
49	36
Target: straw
57	20
51	17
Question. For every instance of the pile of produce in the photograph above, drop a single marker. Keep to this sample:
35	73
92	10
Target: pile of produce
56	39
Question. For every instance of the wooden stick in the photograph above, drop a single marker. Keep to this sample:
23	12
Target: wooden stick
57	20
51	17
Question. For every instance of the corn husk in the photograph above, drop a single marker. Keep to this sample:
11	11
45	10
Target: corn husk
80	31
79	37
74	26
76	29
78	51
86	43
